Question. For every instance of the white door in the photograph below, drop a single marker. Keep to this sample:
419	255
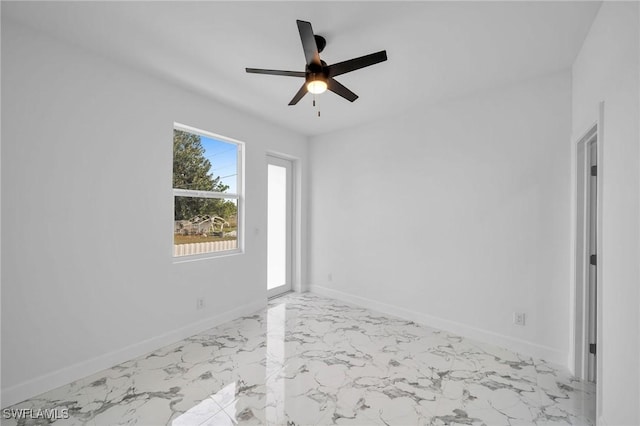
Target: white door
279	217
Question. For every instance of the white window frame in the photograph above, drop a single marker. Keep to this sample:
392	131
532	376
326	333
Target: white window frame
238	196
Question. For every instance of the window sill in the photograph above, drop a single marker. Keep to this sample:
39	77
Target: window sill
205	256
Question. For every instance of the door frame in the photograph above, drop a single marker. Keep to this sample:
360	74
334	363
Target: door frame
583	250
291	255
585	310
579	307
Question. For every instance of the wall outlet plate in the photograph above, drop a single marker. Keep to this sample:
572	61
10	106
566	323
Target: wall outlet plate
519	318
199	303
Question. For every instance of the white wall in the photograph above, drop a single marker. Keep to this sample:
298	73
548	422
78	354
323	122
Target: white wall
607	69
454	216
88	277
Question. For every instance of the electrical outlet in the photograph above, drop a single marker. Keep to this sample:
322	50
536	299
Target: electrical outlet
199	303
519	318
329	276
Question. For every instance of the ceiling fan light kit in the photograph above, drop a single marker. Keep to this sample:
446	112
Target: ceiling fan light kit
319	76
317	84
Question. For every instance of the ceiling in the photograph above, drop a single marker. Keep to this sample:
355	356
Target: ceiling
436	50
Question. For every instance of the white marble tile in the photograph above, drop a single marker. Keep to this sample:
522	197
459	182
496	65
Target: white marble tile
309	360
219	419
198	414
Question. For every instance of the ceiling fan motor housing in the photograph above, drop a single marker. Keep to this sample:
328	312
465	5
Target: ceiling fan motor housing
317	72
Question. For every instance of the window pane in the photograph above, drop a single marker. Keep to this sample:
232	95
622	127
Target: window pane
204	225
204	163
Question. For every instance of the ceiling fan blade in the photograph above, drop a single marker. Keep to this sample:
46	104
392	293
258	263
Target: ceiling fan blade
339	89
308	43
276	72
299	95
357	63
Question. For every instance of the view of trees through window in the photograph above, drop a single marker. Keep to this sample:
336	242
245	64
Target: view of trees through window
205	181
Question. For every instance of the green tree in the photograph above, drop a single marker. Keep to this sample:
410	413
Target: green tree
191	170
228	209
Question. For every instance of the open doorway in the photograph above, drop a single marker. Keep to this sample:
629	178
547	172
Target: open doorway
587	232
279	225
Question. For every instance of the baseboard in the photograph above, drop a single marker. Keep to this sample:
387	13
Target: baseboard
517	345
63	376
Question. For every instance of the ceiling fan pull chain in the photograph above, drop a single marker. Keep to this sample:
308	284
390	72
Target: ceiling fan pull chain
318	104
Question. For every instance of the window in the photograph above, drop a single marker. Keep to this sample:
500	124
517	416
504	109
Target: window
207	192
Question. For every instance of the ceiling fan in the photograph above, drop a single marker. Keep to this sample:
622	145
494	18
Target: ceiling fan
317	74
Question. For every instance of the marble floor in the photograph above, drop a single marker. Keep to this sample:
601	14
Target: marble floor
309	360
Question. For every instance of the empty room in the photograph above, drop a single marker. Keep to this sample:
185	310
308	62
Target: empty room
320	213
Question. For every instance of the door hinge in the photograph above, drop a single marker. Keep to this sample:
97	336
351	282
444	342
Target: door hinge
594	170
592	348
593	259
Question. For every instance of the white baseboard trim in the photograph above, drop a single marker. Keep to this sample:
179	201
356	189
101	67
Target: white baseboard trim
65	375
517	345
